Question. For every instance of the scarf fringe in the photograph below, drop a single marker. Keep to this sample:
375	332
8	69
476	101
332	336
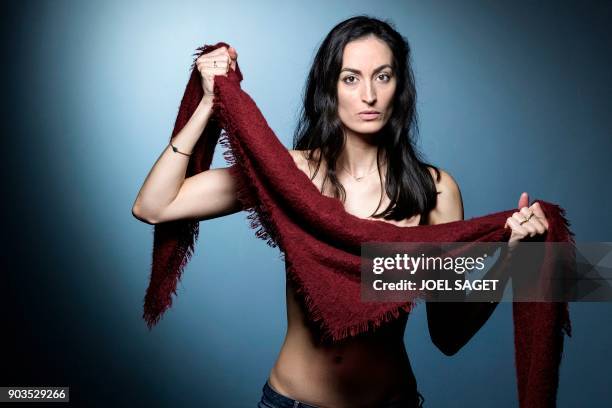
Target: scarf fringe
164	277
334	336
259	218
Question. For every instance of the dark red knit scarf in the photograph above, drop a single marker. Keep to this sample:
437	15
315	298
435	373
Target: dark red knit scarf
321	242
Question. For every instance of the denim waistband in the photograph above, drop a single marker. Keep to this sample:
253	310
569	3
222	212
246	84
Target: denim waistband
281	401
277	400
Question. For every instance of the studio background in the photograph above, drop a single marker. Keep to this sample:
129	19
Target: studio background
511	97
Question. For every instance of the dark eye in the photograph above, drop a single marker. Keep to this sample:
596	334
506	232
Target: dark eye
385	75
347	77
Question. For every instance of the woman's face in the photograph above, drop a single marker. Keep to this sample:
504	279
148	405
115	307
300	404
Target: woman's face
366	83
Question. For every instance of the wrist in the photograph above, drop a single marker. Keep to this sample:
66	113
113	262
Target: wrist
204	108
207	101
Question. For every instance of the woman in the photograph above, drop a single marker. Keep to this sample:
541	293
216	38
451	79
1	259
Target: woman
356	142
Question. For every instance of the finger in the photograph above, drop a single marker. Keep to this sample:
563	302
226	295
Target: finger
232	53
520	219
220	57
204	57
526	212
516	227
537	210
539	214
221	54
210	54
214	57
532	224
223	51
228	49
537	224
523	200
221	64
531	229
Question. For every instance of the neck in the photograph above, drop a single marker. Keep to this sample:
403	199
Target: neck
359	154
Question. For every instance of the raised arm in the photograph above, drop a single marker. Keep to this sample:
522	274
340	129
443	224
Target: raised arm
166	194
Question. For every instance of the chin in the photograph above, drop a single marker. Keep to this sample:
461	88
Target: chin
368	127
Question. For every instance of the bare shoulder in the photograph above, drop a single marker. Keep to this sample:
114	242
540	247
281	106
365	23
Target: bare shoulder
449	206
301	159
299	156
444	181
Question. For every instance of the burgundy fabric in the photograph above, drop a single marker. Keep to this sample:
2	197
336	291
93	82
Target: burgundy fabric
320	241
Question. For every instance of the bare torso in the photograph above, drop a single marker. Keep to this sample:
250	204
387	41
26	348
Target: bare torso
363	371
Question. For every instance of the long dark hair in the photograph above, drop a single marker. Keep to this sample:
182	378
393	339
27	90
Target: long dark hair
409	184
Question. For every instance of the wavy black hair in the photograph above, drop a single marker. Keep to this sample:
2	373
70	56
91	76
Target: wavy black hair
409	183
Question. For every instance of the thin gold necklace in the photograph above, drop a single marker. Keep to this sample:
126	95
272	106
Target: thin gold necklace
358	178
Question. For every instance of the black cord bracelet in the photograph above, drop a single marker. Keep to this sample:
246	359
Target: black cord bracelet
175	150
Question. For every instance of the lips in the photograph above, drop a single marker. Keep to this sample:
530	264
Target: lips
369	115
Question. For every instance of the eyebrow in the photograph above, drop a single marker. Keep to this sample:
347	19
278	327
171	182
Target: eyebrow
359	72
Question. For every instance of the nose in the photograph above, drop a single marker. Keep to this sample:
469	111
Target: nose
368	93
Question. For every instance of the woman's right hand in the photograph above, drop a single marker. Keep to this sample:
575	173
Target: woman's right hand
216	62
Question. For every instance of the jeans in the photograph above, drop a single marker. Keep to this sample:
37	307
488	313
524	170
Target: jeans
272	399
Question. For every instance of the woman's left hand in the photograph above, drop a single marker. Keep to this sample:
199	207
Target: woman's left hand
527	222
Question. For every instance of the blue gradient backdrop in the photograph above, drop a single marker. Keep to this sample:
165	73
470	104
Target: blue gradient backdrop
512	97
